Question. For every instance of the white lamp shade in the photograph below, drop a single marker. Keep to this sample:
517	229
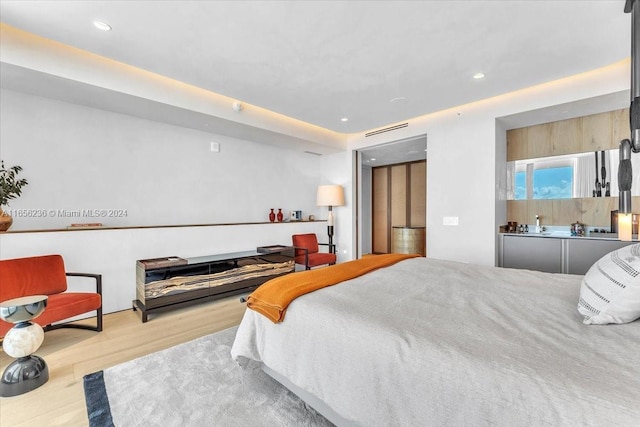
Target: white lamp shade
625	228
330	195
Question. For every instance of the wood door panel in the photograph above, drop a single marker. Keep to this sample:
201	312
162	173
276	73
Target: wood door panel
399	198
379	210
399	195
418	199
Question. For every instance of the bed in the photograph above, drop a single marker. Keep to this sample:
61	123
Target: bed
432	342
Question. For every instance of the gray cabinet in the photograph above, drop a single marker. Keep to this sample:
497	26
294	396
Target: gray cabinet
581	254
571	255
533	253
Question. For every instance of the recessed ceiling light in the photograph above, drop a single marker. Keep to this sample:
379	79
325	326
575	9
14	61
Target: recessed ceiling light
373	159
102	25
344	119
478	76
398	99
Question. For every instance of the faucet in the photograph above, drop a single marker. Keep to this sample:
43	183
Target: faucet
538	230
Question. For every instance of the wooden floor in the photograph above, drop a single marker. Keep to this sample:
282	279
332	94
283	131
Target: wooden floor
71	354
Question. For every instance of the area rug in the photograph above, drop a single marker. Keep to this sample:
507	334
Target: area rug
193	384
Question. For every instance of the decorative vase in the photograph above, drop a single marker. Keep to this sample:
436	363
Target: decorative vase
272	216
280	215
5	220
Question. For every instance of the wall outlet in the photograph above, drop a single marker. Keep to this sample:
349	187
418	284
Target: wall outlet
449	220
215	147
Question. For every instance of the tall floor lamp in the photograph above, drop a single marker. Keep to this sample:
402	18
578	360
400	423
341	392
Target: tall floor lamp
330	195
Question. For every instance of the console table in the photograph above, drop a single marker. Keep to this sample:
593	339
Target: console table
164	284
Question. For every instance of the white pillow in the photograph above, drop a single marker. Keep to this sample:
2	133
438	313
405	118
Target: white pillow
610	291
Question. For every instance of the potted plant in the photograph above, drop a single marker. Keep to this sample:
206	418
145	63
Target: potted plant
10	188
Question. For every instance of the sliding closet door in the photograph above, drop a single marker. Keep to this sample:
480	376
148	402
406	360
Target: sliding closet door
380	209
399	199
399	189
418	205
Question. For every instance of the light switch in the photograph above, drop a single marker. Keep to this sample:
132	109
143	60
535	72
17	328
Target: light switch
450	220
215	147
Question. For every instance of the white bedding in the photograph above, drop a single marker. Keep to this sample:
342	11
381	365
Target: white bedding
428	342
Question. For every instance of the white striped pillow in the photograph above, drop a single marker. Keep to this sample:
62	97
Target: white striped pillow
610	291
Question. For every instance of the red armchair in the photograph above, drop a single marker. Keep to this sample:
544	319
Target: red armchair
46	275
308	251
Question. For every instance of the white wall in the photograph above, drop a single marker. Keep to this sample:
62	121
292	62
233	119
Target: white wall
77	158
466	153
336	169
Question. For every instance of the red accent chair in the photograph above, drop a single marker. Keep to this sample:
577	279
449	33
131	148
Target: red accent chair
46	275
308	251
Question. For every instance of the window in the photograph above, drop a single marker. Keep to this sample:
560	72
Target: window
544	178
520	191
553	183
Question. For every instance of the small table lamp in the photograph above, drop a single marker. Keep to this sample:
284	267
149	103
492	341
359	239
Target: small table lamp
330	195
28	371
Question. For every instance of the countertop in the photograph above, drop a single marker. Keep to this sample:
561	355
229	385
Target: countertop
567	235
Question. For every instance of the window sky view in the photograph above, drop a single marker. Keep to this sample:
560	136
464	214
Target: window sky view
548	183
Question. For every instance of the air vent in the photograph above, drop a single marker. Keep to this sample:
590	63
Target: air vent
389	129
311	152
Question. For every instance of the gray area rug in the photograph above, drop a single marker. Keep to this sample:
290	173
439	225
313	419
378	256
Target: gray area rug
193	384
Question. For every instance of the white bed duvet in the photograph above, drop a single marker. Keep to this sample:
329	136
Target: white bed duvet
437	343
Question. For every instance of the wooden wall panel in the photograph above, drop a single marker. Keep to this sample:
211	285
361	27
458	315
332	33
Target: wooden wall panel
621	127
591	211
544	208
399	195
566	136
596	211
539	141
566	211
418	205
518	211
380	193
597	132
517	146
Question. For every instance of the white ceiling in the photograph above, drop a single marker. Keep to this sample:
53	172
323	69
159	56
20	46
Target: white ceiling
319	61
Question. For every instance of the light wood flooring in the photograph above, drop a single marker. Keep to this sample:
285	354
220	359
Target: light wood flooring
72	354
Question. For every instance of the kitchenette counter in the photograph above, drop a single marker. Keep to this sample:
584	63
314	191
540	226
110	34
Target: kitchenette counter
567	235
556	251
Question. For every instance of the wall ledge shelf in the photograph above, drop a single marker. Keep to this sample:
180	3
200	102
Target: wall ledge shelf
136	227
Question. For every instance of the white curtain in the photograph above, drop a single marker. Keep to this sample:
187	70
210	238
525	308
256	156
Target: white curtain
585	175
614	161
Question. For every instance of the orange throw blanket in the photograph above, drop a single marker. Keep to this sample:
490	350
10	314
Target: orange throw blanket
272	298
